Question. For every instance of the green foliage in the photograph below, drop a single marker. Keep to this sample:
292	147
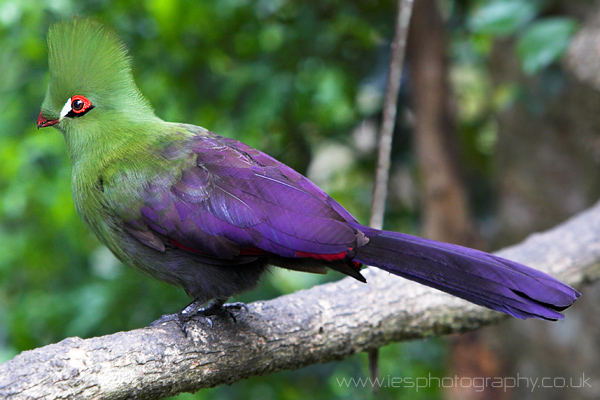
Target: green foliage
504	17
540	40
544	42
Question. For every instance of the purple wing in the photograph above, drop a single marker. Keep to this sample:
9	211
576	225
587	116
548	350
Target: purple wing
237	200
237	203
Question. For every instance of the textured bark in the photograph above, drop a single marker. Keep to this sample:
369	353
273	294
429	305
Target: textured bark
328	322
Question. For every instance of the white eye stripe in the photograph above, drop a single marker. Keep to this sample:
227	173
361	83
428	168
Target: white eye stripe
66	109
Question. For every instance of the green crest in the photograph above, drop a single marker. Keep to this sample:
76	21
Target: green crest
88	59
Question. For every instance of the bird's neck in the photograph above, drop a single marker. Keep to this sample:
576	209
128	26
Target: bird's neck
100	143
146	146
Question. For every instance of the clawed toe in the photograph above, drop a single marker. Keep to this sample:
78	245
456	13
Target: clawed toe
202	314
165	318
228	309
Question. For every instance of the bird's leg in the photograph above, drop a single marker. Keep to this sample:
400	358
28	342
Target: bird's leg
196	309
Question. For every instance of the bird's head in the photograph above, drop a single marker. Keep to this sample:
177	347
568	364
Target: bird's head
90	79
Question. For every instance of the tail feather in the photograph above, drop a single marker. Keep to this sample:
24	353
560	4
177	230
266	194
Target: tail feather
479	277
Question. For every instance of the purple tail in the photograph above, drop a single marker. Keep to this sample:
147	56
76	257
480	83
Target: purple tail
473	275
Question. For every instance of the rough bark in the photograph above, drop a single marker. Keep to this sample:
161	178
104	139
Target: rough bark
328	322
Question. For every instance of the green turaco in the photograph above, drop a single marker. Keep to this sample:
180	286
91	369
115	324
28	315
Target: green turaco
211	214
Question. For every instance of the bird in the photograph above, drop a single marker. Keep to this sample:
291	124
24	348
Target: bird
211	214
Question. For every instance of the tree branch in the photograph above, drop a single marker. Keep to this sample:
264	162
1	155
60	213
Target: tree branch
328	322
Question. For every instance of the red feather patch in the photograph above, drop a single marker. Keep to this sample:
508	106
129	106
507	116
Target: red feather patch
324	257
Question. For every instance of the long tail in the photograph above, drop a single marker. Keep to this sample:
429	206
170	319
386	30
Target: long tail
478	277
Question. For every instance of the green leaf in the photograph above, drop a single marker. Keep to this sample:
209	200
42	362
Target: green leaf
544	42
503	17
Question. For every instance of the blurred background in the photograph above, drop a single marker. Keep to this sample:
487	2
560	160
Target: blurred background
498	136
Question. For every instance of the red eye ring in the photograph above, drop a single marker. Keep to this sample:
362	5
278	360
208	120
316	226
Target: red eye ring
80	104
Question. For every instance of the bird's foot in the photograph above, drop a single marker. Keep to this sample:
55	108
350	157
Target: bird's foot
194	310
228	309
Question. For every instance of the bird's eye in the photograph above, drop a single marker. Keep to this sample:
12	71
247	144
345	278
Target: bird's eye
80	104
77	105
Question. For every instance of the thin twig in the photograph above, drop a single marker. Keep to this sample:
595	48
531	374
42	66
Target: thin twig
382	174
398	49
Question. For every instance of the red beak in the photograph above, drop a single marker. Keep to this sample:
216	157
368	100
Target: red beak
43	122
